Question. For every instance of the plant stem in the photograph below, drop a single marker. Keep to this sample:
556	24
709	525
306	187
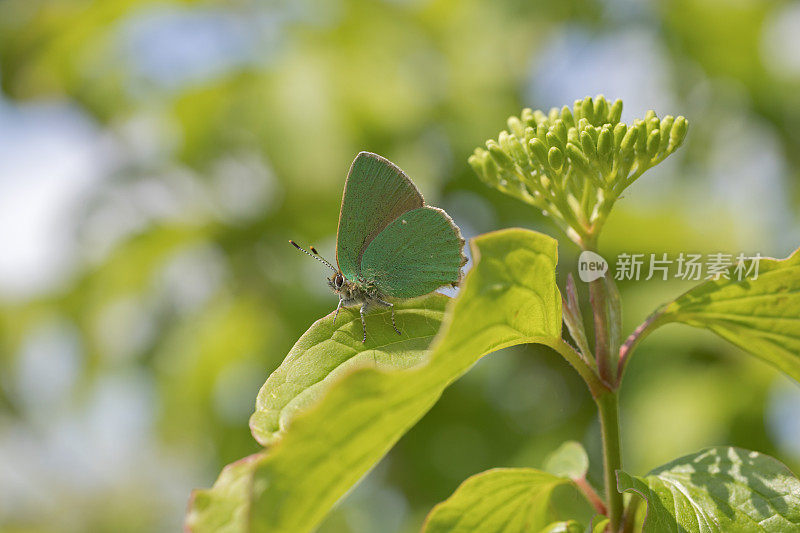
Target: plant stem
591	495
598	295
596	386
607	369
629	518
607	405
625	351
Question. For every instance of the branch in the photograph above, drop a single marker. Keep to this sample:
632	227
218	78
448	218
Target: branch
633	340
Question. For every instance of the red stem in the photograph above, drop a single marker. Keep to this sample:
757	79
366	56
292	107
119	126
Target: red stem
591	495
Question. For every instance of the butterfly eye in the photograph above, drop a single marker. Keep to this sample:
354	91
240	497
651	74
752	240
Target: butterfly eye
338	280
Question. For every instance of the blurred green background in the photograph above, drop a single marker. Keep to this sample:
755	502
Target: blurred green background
156	156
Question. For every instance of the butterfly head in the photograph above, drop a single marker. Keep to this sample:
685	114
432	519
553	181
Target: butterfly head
342	286
336	281
357	290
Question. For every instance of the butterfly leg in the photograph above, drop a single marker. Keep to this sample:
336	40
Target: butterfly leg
390	306
341	301
364	323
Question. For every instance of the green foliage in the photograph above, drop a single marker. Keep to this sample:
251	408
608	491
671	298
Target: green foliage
226	507
569	460
761	316
574	163
599	524
567	526
327	352
573	317
326	80
503	499
509	297
335	406
722	490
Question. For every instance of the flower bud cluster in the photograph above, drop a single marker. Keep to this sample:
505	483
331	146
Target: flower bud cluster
573	163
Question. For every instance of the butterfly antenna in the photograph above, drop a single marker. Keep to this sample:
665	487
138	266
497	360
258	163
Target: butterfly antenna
315	255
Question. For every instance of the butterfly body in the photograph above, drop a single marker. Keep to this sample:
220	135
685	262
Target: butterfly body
354	292
390	244
359	292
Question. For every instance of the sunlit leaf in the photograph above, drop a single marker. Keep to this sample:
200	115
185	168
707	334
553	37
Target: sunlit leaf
718	490
599	524
503	499
761	316
326	352
569	460
567	526
509	297
226	506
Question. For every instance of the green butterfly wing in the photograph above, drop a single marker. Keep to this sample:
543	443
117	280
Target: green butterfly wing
375	194
417	253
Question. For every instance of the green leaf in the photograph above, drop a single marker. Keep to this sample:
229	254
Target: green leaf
761	316
569	460
599	524
567	526
226	506
502	499
326	352
322	441
573	318
721	489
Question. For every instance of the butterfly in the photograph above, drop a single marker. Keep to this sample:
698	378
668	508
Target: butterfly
389	243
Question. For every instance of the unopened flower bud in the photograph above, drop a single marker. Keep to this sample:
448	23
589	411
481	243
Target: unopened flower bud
615	112
587	106
578	159
490	168
629	141
560	129
653	124
678	133
515	150
584	149
605	142
600	109
504	140
573	136
541	131
539	151
619	133
666	128
577	109
641	136
593	132
554	140
476	162
515	126
589	146
556	158
499	155
528	135
484	166
653	143
567	117
528	117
